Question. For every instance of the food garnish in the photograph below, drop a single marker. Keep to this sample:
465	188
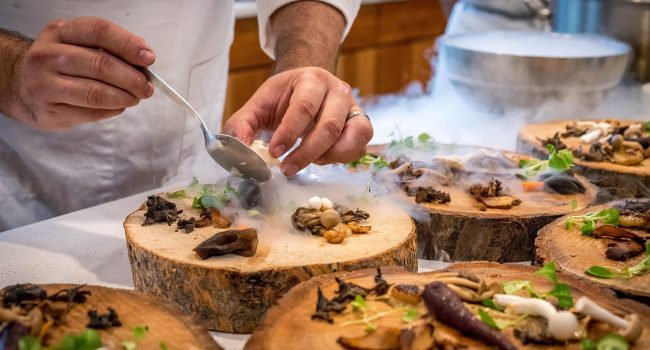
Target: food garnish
369	160
160	210
240	242
430	194
587	222
641	268
103	321
560	291
630	327
492	195
558	160
322	218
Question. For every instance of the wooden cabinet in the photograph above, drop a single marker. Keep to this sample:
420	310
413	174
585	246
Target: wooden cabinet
389	46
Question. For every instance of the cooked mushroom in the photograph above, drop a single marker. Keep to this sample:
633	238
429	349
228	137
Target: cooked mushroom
419	337
433	175
407	293
160	210
358	228
621	251
431	195
562	325
634	130
329	218
337	233
563	184
218	220
382	338
631	327
614	232
630	153
240	242
500	202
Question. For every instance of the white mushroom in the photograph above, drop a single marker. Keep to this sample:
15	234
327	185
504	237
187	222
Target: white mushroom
314	202
453	162
591	136
630	327
326	203
562	325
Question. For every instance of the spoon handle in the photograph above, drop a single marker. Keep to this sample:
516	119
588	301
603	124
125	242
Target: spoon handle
171	93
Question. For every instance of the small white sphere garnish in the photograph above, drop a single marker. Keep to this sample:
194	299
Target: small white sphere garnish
326	203
314	202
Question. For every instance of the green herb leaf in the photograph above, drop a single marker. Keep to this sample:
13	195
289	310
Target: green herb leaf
490	303
87	340
646	127
370	327
410	314
548	271
139	332
487	319
176	194
424	137
588	228
163	346
573	204
613	341
600	272
129	345
29	342
512	287
359	303
587	344
562	292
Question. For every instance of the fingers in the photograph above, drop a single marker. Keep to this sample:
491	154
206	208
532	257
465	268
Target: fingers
304	106
66	116
327	130
352	143
87	93
96	32
242	126
98	65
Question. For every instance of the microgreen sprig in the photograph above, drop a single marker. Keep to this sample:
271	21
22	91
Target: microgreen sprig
587	222
368	314
561	161
560	291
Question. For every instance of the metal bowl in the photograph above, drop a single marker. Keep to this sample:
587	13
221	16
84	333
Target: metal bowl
502	70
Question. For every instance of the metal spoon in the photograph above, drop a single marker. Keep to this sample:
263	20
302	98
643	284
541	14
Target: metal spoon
232	154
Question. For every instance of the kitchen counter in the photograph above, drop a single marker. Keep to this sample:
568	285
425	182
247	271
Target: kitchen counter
88	246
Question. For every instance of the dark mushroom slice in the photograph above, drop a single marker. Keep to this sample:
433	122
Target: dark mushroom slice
186	225
621	251
71	295
384	338
563	183
19	293
431	195
160	210
324	306
500	202
417	338
407	293
103	321
240	242
218	220
611	231
554	140
443	304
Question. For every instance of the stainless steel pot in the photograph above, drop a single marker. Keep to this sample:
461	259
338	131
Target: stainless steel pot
513	8
505	70
626	20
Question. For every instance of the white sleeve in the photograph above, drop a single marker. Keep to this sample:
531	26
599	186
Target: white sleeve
265	8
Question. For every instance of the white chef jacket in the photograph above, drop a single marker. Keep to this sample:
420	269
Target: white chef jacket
44	174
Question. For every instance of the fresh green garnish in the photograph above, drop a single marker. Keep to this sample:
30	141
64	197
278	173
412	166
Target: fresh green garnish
560	291
557	160
587	223
374	162
610	341
573	204
176	194
138	333
163	346
367	314
641	268
646	126
490	304
487	319
410	314
422	141
87	340
208	198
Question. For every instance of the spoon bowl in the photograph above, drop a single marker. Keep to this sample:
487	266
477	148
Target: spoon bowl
230	153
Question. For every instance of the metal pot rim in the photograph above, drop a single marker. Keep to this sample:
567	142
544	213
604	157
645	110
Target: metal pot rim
624	48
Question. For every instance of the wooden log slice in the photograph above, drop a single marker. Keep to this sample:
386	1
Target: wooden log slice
231	293
617	181
574	253
289	326
165	321
467	231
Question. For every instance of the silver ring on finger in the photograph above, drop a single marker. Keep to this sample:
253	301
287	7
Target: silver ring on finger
353	114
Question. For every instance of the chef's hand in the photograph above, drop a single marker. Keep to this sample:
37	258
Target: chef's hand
79	71
308	103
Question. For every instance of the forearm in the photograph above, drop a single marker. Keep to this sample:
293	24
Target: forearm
12	48
308	34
